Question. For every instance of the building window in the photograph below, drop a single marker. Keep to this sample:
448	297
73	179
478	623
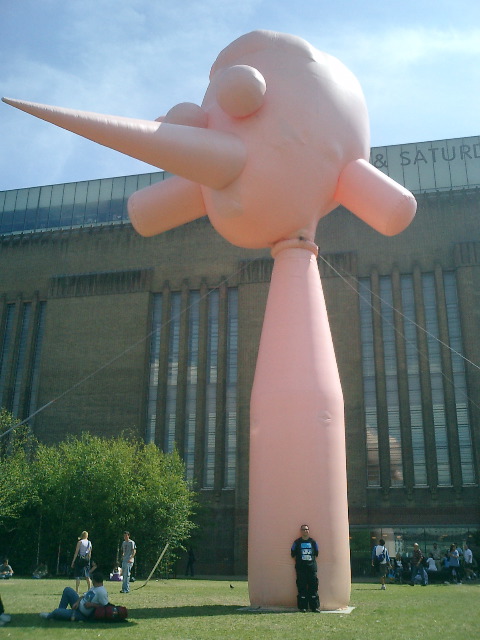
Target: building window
459	380
75	204
432	368
6	347
37	351
413	380
211	389
154	365
391	383
369	383
192	382
436	380
172	373
231	391
167	371
20	349
21	356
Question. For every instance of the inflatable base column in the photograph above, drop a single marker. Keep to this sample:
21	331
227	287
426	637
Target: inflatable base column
297	439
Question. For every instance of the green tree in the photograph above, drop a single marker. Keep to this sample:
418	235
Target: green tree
103	486
16	485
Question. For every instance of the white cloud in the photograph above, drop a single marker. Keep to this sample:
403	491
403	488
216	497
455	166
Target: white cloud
139	57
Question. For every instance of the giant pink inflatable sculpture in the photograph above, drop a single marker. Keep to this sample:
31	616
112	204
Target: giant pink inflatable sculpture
281	139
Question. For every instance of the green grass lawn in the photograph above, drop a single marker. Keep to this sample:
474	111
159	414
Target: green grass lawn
205	609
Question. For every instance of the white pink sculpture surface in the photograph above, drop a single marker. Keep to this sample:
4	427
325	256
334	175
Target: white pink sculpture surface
281	139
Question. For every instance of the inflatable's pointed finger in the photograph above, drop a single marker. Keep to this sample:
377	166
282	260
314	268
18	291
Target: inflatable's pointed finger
165	205
375	198
211	158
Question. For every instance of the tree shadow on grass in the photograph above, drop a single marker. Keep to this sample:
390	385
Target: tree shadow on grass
185	612
33	620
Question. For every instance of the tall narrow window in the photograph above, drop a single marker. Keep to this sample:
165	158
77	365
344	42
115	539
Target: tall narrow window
231	390
459	380
192	379
6	346
391	382
436	380
154	363
172	373
369	383
37	350
21	355
413	379
211	389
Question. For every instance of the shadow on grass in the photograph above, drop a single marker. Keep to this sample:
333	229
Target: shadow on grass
33	620
185	612
430	585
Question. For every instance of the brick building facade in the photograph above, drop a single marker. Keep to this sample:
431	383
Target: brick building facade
106	331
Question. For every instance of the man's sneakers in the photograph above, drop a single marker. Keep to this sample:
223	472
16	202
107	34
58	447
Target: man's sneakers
122	591
4	618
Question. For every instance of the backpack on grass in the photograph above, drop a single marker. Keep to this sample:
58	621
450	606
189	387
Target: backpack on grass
110	613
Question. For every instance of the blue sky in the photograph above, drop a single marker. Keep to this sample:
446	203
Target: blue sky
417	61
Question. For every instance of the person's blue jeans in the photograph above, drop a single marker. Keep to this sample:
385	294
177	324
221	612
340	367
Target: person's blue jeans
69	597
126	568
417	568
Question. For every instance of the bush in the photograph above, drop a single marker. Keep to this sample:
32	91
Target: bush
100	485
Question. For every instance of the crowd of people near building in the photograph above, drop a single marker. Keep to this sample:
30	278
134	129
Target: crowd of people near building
452	565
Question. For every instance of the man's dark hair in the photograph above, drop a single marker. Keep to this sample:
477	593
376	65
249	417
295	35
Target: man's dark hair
97	576
381	541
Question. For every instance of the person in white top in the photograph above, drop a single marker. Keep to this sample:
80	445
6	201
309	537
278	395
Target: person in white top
6	570
81	560
129	550
431	564
81	608
381	561
468	559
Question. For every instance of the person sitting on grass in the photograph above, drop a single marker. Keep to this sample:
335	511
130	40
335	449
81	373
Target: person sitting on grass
6	570
82	608
116	575
40	572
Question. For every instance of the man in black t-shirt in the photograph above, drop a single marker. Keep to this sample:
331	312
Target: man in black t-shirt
305	552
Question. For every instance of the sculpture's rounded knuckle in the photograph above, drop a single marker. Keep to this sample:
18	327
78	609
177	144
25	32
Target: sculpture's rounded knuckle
188	114
240	90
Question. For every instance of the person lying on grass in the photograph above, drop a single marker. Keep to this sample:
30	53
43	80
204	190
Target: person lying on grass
82	607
